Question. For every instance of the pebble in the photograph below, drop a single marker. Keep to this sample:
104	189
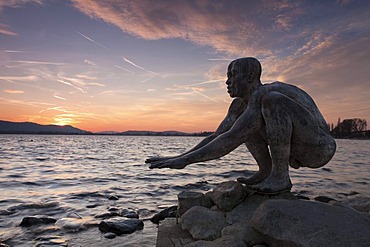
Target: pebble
324	199
113	198
109	235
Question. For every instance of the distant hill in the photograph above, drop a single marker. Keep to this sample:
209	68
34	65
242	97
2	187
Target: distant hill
7	127
153	133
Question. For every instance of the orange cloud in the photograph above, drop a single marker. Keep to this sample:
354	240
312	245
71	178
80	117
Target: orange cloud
13	91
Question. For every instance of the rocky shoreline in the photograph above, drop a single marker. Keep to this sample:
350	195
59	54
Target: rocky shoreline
233	215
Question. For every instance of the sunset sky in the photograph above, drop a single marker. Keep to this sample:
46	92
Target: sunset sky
161	65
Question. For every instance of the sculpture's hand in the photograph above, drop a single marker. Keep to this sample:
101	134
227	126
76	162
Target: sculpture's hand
156	159
169	163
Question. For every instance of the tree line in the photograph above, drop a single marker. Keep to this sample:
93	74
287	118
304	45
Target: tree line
350	128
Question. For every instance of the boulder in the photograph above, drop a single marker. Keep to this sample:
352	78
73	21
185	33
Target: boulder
119	226
227	195
227	241
308	223
245	210
189	199
244	232
203	223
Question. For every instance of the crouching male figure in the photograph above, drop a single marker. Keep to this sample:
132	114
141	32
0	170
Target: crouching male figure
279	123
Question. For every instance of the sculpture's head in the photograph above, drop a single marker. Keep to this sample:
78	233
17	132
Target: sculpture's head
243	77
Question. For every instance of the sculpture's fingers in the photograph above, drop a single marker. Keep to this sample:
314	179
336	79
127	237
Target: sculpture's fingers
158	165
154	159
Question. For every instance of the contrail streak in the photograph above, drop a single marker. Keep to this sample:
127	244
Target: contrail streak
137	66
122	68
93	41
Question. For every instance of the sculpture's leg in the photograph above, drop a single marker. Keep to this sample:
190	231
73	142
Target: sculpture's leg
259	150
276	112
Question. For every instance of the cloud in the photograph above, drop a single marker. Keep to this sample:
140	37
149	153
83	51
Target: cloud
18	3
4	30
89	62
13	91
120	67
39	62
58	97
225	26
19	78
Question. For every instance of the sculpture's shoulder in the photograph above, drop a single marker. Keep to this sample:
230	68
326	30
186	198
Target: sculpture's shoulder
237	106
285	88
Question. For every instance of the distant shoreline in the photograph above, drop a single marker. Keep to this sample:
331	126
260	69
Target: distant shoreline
152	133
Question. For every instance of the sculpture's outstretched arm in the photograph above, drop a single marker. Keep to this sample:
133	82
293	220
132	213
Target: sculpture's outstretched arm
220	146
236	108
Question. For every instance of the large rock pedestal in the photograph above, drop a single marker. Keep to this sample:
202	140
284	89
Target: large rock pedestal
306	223
239	217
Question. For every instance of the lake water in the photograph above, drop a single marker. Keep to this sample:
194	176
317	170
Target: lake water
75	175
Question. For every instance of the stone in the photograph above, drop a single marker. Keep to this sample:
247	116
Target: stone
36	220
107	215
226	241
189	199
227	195
359	203
308	223
244	232
203	223
119	226
128	214
109	235
171	234
245	210
113	198
324	199
70	224
168	212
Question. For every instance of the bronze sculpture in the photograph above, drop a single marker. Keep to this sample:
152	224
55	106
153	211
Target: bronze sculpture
279	123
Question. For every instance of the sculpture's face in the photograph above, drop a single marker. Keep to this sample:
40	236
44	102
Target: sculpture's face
236	81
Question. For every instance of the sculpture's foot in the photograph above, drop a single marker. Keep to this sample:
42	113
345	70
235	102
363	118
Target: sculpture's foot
256	178
273	185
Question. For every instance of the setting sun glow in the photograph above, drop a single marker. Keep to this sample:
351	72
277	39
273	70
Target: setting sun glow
162	66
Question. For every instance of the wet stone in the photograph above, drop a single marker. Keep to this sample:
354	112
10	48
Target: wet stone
109	235
113	198
324	199
129	214
119	226
166	213
107	215
36	220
